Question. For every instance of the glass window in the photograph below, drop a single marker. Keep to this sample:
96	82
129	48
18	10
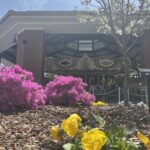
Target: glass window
85	45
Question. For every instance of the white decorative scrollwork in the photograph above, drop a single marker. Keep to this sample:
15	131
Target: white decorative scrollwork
106	62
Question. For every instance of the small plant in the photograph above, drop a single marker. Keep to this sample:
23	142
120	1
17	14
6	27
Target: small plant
18	90
101	138
68	90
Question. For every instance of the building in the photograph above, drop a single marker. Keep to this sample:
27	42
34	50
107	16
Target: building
55	42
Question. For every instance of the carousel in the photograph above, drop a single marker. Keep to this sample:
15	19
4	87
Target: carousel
94	58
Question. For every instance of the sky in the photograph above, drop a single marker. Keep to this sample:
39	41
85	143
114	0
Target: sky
24	5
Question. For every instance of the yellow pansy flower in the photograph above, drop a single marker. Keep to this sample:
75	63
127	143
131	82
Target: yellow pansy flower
70	126
144	140
55	133
76	116
93	139
99	103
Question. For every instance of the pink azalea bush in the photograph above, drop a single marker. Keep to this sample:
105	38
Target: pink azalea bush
68	90
17	89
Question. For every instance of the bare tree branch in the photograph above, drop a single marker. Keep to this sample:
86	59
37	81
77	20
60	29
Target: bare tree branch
136	21
110	20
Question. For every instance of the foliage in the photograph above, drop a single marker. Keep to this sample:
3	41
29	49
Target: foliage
18	90
100	120
102	138
119	138
68	90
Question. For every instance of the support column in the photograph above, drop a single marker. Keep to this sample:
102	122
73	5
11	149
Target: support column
30	52
145	50
145	60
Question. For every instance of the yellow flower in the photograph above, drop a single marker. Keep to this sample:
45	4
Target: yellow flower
99	103
144	140
93	139
55	133
70	126
75	116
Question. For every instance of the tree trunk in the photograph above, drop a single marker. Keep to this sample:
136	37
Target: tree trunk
126	78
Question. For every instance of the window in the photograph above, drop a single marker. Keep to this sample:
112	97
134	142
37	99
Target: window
85	45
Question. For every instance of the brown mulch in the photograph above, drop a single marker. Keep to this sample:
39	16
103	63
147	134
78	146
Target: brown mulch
29	130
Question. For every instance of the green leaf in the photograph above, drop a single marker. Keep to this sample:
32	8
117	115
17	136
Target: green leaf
100	120
69	146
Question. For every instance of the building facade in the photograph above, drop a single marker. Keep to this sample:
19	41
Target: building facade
55	42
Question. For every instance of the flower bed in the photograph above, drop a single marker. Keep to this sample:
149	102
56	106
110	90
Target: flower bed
100	138
31	129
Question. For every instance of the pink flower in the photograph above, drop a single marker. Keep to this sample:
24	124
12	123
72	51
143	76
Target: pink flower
17	89
68	90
